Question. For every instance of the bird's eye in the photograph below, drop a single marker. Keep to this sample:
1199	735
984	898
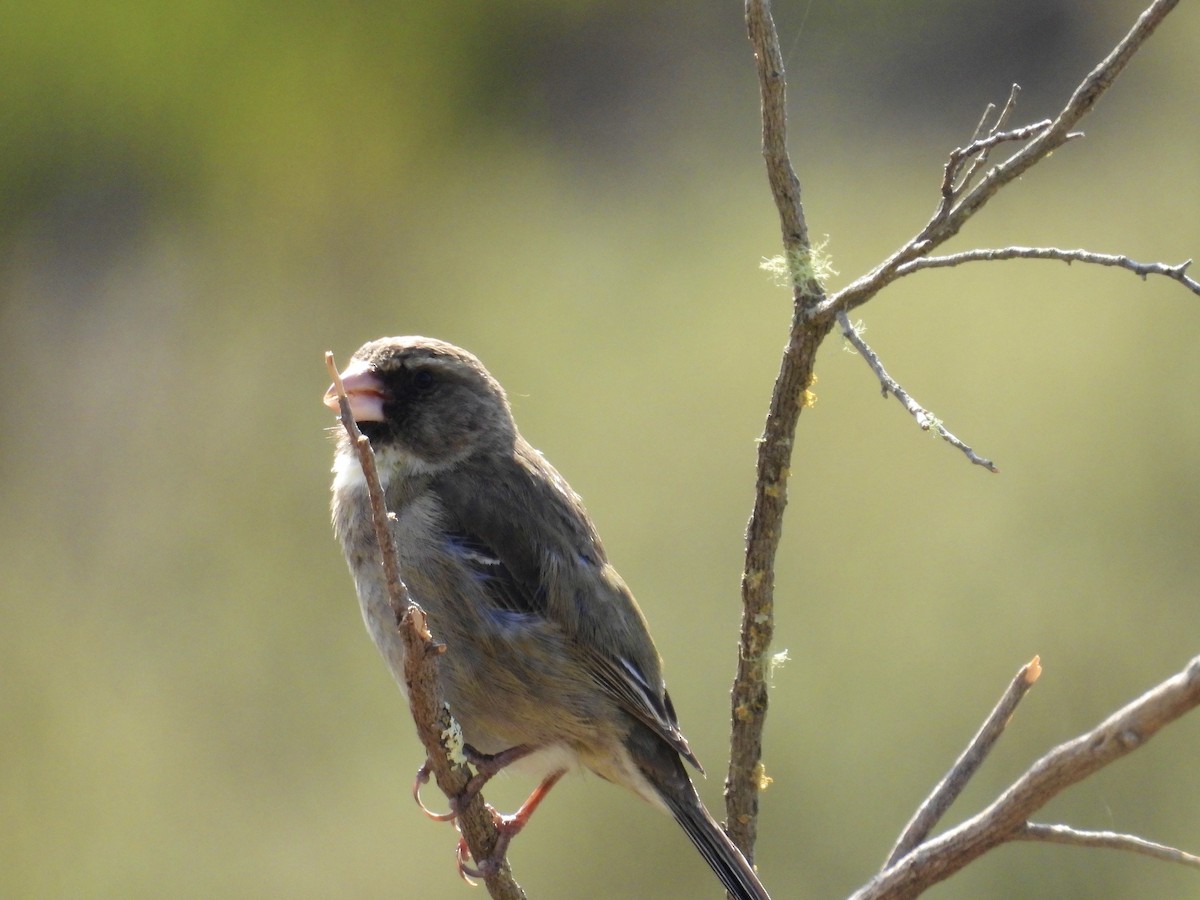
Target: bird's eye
423	379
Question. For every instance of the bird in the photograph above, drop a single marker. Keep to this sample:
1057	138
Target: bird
549	662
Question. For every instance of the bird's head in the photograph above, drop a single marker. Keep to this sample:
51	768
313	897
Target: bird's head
424	403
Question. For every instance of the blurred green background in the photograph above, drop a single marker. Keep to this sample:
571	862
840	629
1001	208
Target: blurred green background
198	199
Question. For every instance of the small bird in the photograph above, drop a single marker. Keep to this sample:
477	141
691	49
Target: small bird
549	660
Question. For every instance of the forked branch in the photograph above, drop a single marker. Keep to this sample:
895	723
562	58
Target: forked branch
1007	818
1046	138
966	188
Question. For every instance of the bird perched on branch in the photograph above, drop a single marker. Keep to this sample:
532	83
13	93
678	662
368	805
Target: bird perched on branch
549	662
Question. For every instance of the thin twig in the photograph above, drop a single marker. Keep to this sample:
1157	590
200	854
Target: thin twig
967	764
889	385
1106	840
979	128
1001	121
977	151
1176	272
439	733
1010	105
401	601
1124	731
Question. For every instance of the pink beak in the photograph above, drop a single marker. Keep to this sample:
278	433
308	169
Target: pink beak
364	390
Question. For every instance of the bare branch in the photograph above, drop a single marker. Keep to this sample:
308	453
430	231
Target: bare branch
1121	733
945	225
1107	840
1089	91
987	112
439	732
789	396
950	787
1010	105
814	315
1176	272
924	418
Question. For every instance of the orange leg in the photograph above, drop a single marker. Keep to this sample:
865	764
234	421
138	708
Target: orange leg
507	827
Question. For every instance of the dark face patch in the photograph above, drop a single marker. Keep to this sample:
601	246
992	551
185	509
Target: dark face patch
437	405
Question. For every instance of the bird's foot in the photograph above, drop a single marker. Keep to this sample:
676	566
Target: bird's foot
507	828
486	765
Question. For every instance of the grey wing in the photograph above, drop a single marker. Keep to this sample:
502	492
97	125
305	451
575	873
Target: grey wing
519	552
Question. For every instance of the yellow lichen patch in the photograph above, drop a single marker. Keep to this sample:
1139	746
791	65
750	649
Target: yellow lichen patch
761	779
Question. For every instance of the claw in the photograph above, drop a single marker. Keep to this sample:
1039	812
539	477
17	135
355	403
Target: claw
422	779
507	827
485	868
486	765
465	872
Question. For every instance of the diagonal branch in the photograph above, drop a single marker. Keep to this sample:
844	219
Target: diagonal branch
923	416
438	731
950	787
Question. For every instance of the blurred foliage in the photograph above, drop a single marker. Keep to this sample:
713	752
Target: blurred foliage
197	199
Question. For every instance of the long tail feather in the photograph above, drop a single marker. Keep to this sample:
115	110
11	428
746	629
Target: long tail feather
715	846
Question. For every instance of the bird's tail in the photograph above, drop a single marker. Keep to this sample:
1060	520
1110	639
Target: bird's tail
666	781
714	845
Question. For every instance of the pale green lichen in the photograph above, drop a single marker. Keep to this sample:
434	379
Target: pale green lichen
799	267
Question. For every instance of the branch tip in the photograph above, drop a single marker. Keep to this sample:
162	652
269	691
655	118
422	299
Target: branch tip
1033	670
940	799
1107	840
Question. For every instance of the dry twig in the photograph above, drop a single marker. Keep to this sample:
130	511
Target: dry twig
1007	818
950	218
439	733
1176	273
982	156
1106	840
959	201
950	787
924	417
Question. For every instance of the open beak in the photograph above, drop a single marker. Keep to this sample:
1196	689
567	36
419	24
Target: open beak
364	390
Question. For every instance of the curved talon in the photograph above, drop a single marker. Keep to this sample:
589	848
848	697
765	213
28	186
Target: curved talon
486	764
485	868
421	779
465	872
